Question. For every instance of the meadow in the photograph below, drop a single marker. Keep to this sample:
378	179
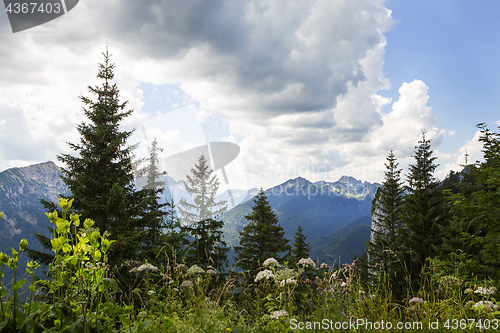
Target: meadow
84	294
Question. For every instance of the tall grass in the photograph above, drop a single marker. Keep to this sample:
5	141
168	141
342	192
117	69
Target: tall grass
83	295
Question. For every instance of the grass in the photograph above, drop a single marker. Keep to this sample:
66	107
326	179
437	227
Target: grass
84	296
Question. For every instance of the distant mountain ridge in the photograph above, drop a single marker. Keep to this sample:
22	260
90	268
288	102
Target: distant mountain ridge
20	193
320	207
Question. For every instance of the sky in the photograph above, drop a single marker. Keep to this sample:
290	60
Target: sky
310	88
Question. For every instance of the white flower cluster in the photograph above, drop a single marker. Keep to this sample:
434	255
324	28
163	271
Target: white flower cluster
485	304
416	300
485	291
278	314
147	267
271	262
265	274
287	281
307	262
195	270
187	284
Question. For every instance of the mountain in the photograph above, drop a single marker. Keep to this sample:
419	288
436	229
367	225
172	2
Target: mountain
20	193
177	190
344	243
320	208
23	214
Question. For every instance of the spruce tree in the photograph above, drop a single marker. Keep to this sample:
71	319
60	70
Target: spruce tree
261	238
300	249
202	186
198	219
385	246
473	237
423	211
153	211
208	248
175	236
100	177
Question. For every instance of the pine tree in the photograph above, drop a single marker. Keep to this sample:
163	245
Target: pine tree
198	218
261	238
175	235
424	213
300	248
153	211
208	247
473	237
101	178
202	187
385	246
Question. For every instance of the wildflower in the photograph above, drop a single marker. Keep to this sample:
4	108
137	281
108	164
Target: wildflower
278	314
195	270
228	329
307	262
211	272
485	305
187	283
3	258
271	262
265	274
468	291
287	281
23	244
147	267
485	291
416	300
151	292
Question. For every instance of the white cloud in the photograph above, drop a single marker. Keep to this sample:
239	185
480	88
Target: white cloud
295	82
473	148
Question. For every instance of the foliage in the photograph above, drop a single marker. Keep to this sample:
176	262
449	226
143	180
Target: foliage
101	178
198	219
300	248
261	238
387	243
154	214
423	212
473	236
203	187
81	294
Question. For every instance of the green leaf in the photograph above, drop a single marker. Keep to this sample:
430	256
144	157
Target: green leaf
3	324
18	285
107	283
142	326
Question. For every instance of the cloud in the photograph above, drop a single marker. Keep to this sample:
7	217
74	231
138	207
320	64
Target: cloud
296	83
473	148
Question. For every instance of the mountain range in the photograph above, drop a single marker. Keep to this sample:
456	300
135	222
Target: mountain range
321	208
334	215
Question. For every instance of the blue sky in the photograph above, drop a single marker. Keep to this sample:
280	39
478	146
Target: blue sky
311	88
453	47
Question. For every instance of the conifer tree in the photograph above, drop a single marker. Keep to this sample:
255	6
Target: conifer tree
473	237
300	248
424	213
198	218
175	235
385	246
203	187
100	177
153	211
208	247
261	238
